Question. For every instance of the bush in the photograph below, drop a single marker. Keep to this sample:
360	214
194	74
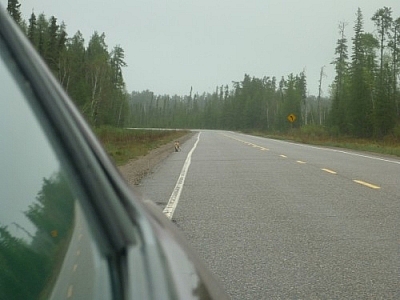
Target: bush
396	133
313	131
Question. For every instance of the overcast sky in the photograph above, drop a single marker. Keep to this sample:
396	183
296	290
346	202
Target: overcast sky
173	45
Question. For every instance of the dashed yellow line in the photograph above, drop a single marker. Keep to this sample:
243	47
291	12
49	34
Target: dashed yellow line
247	143
329	171
70	291
75	267
372	186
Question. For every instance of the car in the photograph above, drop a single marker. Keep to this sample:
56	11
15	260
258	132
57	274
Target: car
70	225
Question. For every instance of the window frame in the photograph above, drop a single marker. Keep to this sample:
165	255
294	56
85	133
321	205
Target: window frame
80	153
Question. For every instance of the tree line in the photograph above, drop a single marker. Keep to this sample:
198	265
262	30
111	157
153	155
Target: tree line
253	103
90	74
364	98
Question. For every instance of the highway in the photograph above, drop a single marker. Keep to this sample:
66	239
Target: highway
279	220
82	271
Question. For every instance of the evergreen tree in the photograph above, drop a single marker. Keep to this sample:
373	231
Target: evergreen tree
360	104
383	21
338	109
385	106
52	49
32	30
13	9
117	63
42	31
293	98
74	70
97	58
120	101
62	73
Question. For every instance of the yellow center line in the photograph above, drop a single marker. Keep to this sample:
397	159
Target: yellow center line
372	186
70	291
301	162
329	171
78	252
74	268
284	156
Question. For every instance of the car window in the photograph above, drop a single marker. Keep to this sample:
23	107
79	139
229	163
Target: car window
47	250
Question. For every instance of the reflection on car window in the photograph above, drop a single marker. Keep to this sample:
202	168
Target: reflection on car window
46	250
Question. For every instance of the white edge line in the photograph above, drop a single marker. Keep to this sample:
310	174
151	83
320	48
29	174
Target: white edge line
174	199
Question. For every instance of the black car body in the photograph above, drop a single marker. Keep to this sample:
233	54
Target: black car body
70	226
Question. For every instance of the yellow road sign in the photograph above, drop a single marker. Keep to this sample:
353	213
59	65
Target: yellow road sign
291	118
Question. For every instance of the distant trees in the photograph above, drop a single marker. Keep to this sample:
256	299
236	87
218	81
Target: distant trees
253	103
365	97
90	74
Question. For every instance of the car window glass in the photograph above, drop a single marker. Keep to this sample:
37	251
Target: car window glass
46	248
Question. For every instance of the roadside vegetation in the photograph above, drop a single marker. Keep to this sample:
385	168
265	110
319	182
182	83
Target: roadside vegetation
123	145
361	110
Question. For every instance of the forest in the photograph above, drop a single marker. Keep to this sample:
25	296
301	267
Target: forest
363	102
90	74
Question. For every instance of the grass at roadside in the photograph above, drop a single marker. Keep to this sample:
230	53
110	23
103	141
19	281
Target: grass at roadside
389	145
125	144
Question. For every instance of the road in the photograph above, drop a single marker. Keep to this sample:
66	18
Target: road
279	220
79	275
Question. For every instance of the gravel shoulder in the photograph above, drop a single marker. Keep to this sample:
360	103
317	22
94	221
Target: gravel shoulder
137	169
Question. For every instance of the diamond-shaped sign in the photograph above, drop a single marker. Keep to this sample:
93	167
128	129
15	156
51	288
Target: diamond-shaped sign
291	118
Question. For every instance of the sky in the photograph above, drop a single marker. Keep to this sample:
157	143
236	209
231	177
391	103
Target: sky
172	46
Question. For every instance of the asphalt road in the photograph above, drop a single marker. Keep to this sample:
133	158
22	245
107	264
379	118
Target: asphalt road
82	271
278	220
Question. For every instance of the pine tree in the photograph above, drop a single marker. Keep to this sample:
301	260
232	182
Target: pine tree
338	109
52	50
13	9
360	102
42	31
32	28
385	105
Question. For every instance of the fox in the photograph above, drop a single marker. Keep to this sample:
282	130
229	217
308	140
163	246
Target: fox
177	146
